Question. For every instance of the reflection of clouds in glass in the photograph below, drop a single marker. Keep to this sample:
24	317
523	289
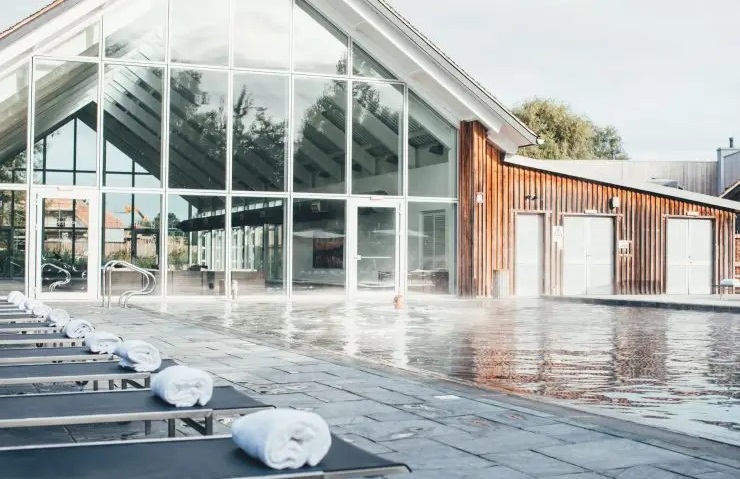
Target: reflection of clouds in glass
262	34
136	30
318	46
200	31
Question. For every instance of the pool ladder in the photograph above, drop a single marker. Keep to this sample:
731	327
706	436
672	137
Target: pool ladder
150	283
67	276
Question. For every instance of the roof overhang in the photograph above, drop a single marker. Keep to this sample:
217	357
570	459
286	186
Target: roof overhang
643	187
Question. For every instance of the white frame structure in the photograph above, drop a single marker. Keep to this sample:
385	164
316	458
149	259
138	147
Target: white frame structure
81	16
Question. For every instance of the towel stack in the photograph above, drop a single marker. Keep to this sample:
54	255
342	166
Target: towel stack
182	386
102	342
78	328
138	355
283	438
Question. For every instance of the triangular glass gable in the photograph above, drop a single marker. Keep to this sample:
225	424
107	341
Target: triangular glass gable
318	46
364	65
136	30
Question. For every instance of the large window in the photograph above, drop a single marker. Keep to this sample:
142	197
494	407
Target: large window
132	126
260	132
65	151
431	252
258	245
13	125
12	240
319	247
196	245
320	136
131	232
198	129
263	116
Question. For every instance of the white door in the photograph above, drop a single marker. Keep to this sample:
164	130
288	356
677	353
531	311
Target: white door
588	255
689	256
375	234
529	256
67	229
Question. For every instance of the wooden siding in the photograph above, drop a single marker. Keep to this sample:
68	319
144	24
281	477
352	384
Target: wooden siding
737	256
486	229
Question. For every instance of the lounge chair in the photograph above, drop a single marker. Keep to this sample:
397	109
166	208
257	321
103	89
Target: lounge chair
56	339
215	457
62	409
24	327
50	355
75	373
16	316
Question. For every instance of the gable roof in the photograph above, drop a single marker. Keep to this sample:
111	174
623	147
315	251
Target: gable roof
431	65
651	188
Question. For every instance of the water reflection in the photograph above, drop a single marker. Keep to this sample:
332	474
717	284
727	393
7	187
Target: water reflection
676	369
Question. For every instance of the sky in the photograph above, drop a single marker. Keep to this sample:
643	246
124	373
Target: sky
664	72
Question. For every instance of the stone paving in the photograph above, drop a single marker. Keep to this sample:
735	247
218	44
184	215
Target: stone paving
443	430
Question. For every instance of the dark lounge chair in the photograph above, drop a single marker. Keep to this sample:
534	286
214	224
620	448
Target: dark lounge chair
56	339
17	316
195	458
50	355
25	327
12	375
62	409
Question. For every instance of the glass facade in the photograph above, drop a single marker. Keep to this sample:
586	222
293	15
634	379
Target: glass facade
257	130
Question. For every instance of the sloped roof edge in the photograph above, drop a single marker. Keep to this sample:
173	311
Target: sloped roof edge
631	185
404	25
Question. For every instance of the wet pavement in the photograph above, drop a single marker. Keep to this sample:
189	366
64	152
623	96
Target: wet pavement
674	369
442	429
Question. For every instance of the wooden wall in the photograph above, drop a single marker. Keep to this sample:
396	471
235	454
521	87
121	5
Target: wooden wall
486	232
737	256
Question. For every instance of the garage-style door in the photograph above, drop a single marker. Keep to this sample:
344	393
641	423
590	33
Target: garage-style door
529	255
588	255
689	254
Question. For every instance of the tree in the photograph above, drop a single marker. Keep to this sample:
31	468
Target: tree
567	135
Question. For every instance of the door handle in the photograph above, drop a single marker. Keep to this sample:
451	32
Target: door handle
358	258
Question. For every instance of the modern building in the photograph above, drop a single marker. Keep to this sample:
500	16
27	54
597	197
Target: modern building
294	147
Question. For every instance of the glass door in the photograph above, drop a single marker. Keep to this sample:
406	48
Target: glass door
375	246
66	246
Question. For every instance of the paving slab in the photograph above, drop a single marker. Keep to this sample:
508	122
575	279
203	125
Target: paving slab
611	454
534	464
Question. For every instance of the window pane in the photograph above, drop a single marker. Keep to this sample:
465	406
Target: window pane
198	129
319	47
260	132
65	123
135	30
431	253
365	66
83	43
13	125
131	233
319	231
432	152
257	245
320	133
13	240
376	132
133	122
262	34
200	32
196	246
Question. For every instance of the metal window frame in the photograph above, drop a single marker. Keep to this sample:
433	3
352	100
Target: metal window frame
289	195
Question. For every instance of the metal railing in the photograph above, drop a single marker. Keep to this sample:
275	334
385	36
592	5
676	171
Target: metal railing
67	276
150	283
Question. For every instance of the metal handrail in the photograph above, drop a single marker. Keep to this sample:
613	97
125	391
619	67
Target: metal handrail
123	299
67	276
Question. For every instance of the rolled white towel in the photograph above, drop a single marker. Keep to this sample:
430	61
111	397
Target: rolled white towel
27	304
138	355
102	342
78	328
19	299
58	317
283	438
12	295
41	310
182	386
